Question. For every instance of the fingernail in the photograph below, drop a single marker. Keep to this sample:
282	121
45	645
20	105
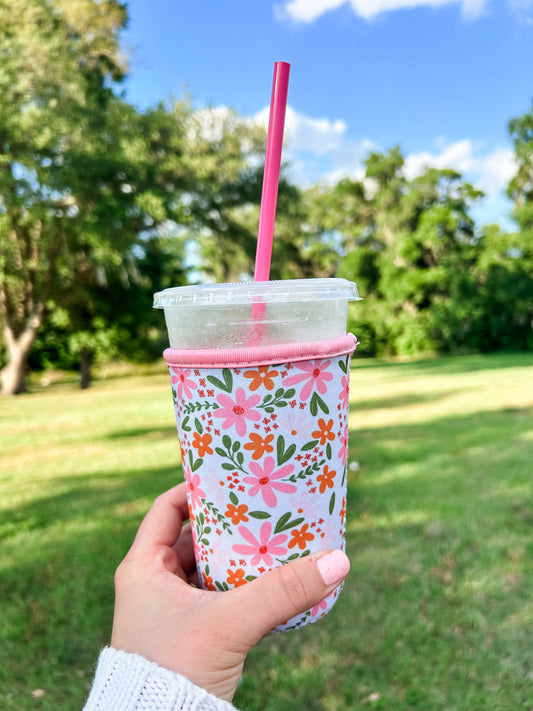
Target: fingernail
333	567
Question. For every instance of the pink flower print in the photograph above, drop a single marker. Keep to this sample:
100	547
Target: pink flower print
294	422
195	493
316	374
343	451
265	480
264	548
322	605
181	377
238	411
345	392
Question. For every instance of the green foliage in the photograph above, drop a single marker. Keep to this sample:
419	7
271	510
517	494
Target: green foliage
102	204
431	281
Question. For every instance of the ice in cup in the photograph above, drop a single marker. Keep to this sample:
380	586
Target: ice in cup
261	401
225	316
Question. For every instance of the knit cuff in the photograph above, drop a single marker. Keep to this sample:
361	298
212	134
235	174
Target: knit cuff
128	682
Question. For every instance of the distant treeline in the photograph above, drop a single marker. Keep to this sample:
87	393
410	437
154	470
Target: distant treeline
102	204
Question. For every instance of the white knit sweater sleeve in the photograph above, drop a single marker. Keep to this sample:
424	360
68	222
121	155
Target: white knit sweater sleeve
128	682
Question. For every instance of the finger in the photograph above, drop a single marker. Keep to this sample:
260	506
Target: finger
163	522
184	548
194	580
254	609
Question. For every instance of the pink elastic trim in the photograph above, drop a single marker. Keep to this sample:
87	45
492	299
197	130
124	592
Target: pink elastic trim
262	355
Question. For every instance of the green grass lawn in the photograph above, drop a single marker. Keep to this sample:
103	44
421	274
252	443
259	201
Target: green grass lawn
437	612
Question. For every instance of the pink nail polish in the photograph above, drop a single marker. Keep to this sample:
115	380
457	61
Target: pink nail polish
333	567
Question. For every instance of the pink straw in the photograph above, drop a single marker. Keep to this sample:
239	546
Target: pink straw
269	197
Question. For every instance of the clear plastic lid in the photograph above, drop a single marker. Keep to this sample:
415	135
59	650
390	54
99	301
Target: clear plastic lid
289	290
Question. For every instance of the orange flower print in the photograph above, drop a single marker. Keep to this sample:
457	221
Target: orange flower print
236	577
343	510
202	442
324	433
261	376
208	582
259	445
326	479
237	513
300	537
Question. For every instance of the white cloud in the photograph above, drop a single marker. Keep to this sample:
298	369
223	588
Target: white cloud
491	172
305	133
316	149
310	10
210	123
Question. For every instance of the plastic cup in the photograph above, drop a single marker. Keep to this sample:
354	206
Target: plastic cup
260	382
225	316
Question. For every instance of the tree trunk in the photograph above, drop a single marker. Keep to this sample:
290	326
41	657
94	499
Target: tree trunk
14	372
85	368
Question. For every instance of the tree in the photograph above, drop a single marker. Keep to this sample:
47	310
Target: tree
506	264
520	188
503	304
58	62
222	158
409	245
89	186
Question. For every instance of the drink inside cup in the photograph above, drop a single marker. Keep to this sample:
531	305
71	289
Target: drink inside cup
227	315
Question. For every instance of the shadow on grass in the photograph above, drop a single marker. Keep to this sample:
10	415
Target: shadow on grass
437	593
148	432
398	400
59	554
452	364
439	536
88	496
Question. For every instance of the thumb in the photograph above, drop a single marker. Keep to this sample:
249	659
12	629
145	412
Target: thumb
284	592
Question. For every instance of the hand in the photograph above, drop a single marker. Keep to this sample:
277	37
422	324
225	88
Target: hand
205	636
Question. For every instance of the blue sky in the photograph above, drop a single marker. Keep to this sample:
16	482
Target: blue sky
441	78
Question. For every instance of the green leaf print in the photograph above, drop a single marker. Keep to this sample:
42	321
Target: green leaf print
293	556
201	529
332	503
191	407
198	425
194	464
258	514
310	445
284	523
317	402
233	498
280	399
220	517
232	453
284	455
308	471
227	385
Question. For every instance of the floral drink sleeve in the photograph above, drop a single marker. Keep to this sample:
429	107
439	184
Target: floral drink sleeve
264	442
